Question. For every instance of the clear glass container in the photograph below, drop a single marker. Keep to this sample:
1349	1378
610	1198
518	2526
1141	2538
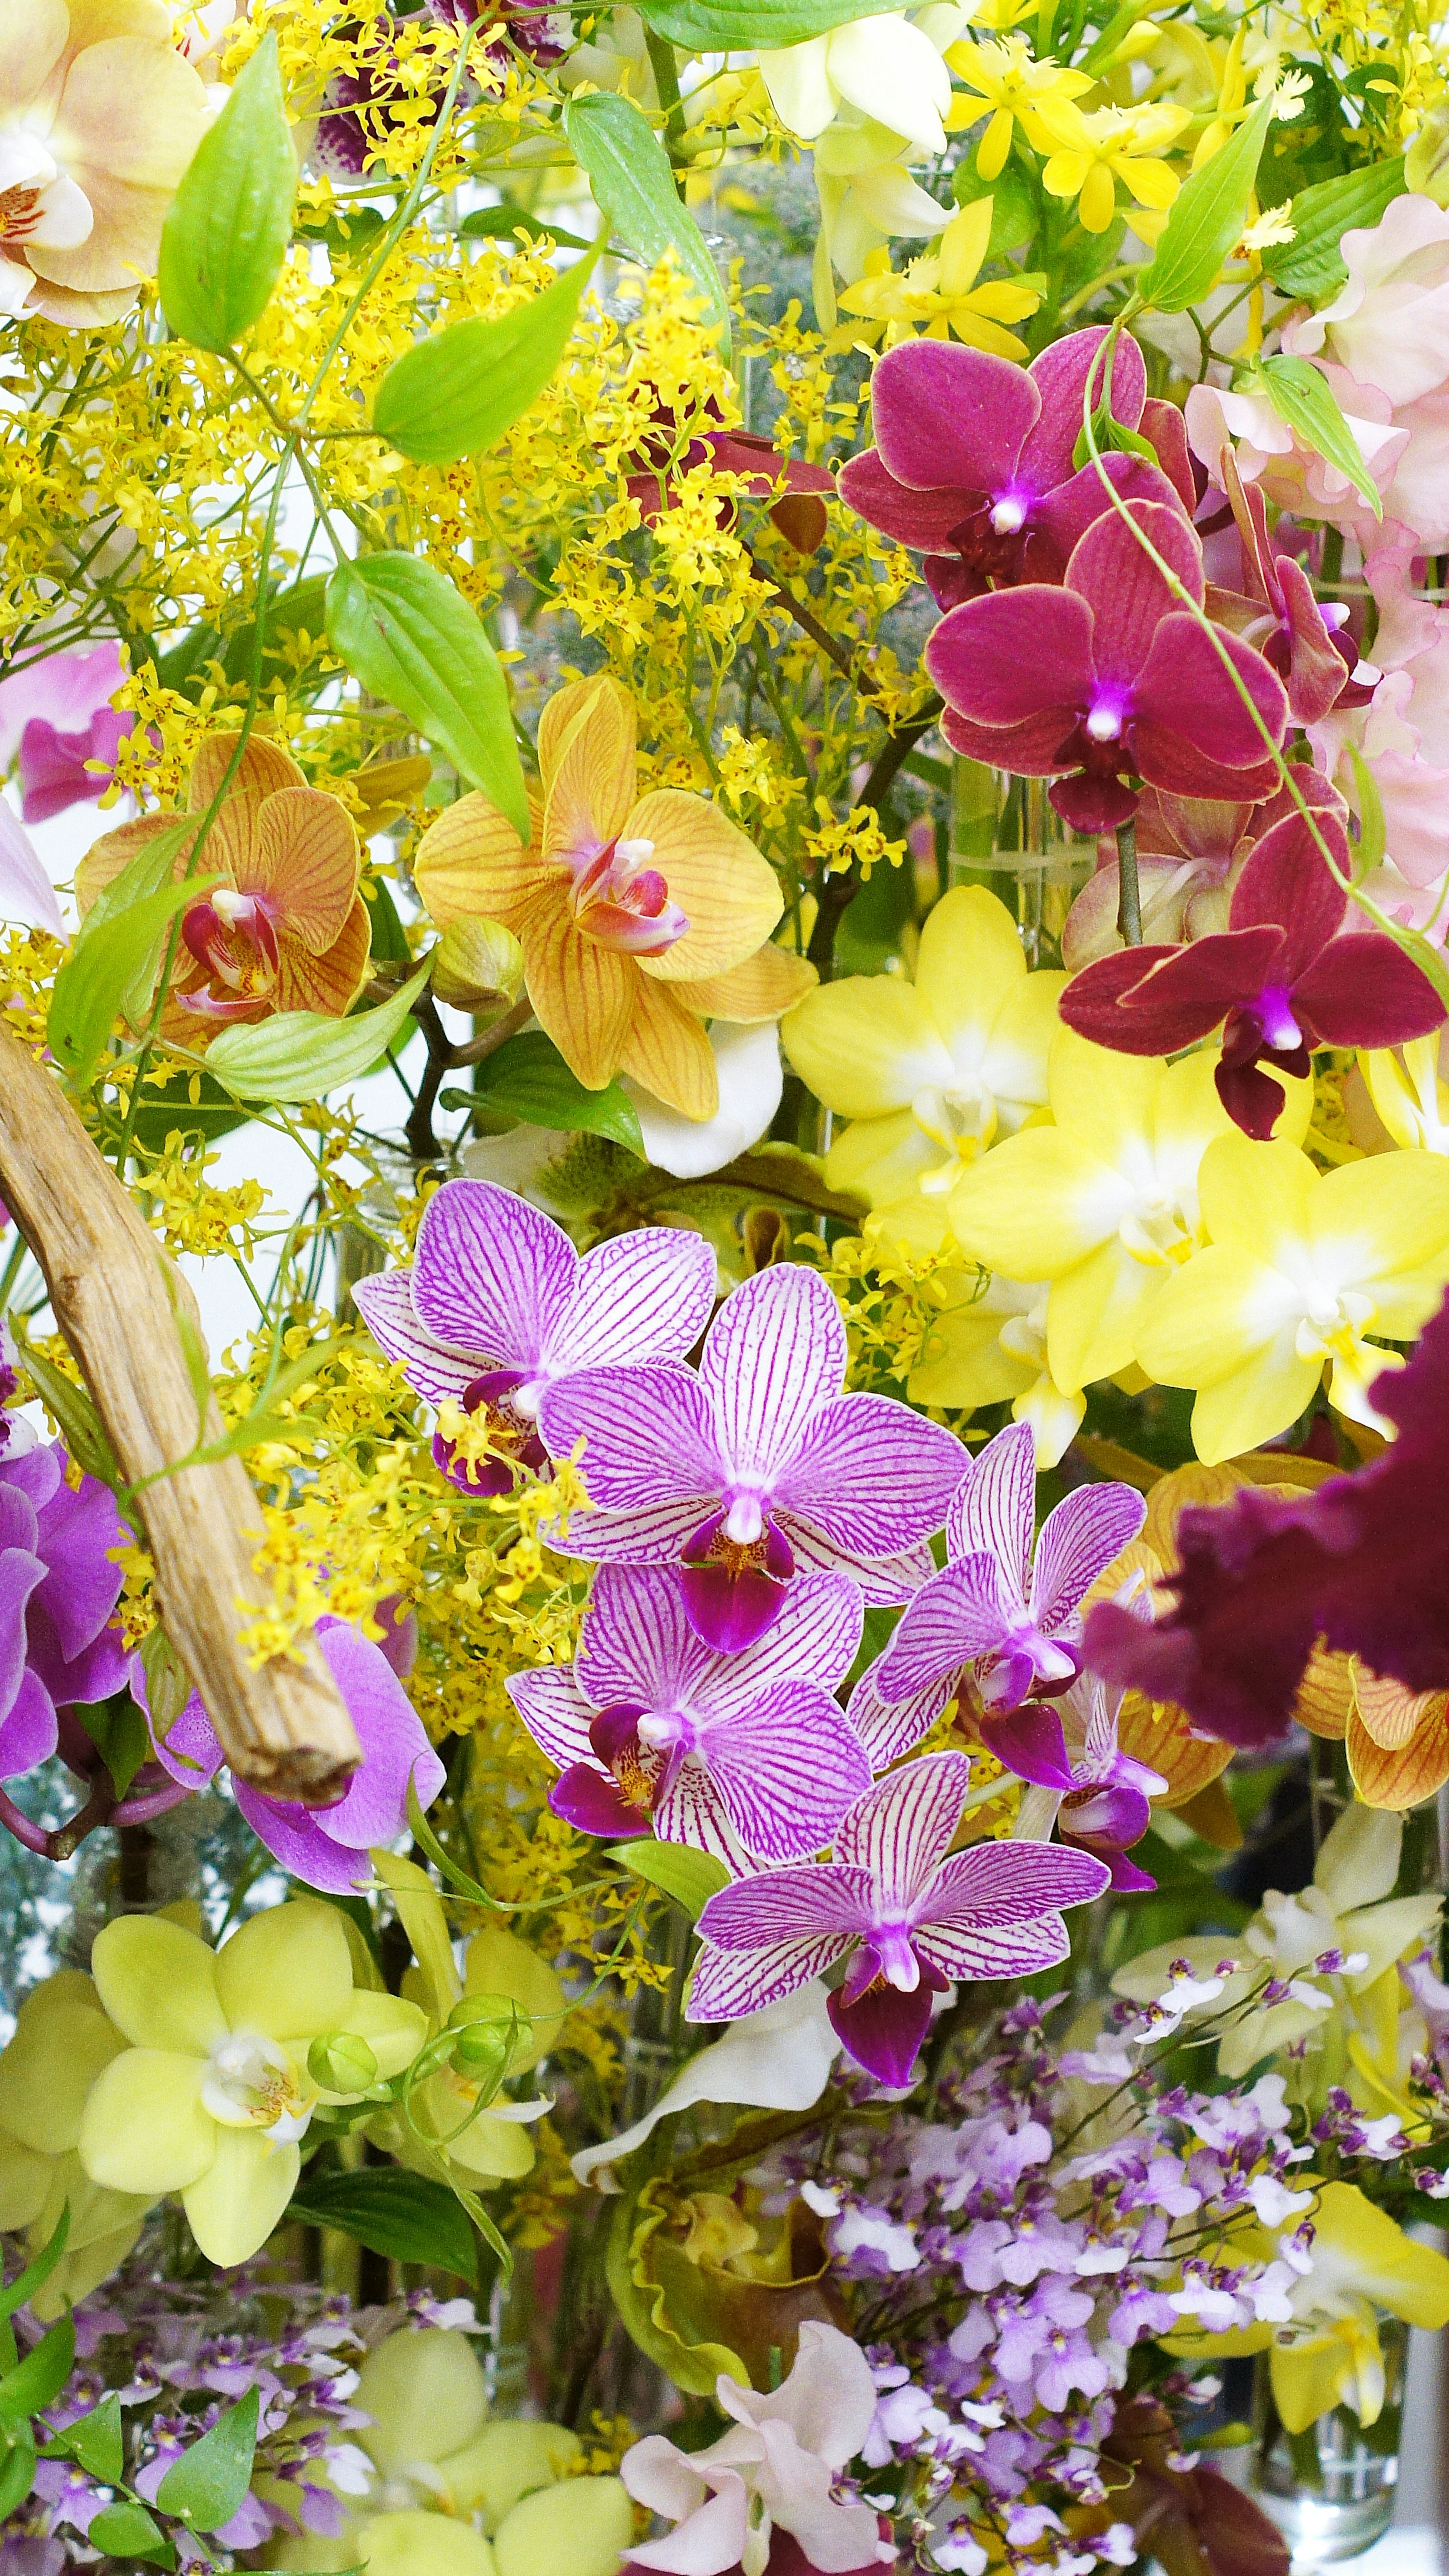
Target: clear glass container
1007	836
1331	2489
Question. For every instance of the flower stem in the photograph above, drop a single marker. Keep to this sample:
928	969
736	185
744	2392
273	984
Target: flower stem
1129	901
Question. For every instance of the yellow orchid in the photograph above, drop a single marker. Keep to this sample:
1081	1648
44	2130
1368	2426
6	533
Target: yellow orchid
937	294
632	910
1302	1268
1104	1203
62	2041
1014	87
987	1345
929	1073
1396	1740
214	2091
1092	152
1409	1093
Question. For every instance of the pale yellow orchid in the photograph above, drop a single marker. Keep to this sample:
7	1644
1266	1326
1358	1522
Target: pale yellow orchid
937	294
62	2041
1103	1203
1302	1268
929	1073
1409	1092
215	2091
987	1345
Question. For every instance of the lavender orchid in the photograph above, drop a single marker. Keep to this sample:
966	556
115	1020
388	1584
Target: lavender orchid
498	1307
746	1752
909	1919
758	1466
997	1623
59	1584
325	1847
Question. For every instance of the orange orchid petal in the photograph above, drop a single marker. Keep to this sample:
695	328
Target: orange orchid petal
308	860
264	769
712	869
583	994
471	864
767	986
1389	1713
332	981
1325	1694
1403	1775
114	851
1185	1489
667	1050
594	772
559	715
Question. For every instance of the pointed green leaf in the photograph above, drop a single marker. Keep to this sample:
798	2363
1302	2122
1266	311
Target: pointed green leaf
1312	264
628	169
412	639
98	2442
17	2464
112	967
690	1877
81	1427
119	1733
405	2216
529	1078
455	394
226	235
127	2531
1305	399
301	1055
38	2380
1207	218
206	2486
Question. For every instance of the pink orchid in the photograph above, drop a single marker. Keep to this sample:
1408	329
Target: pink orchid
58	717
26	893
1384	339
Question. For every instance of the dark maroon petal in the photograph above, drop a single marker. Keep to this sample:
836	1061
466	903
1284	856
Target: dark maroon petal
913	518
1184	690
1252	1099
1287	881
1151	1001
730	1610
951	582
801	520
1129	596
1317	792
1063	518
950	415
1317	670
1093	804
1059	376
1349	998
1031	1743
1015	655
594	1805
1033	749
884	2030
1179	770
1164	425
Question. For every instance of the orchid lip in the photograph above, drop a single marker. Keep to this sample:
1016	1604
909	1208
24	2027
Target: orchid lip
1280	1029
1104	724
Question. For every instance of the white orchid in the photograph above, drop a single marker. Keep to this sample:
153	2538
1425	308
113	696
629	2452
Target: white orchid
890	68
776	2060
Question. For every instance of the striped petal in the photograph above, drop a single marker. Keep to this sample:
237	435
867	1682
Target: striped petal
643	1296
692	1811
1017	1950
730	893
264	769
728	1986
555	1712
307	859
884	1581
332	981
994	1512
995	1885
825	1901
889	1728
774	1355
666	1047
1078	1539
871	1474
637	1642
954	1618
585	996
589	747
817	1632
472	863
763	988
649	1437
386	1304
785	1770
903	1828
492	1274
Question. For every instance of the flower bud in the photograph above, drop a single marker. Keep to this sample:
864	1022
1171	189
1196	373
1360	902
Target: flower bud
478	967
490	2034
340	2062
1426	163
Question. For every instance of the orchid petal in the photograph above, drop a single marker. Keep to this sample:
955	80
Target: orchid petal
385	1302
1016	656
1059	376
946	415
555	1712
644	1296
1078	1539
883	1581
785	1770
1016	1950
883	2028
870	1473
637	1643
773	1356
954	1618
996	1885
492	1274
889	1728
817	1632
994	1509
825	1900
649	1437
904	1827
727	1985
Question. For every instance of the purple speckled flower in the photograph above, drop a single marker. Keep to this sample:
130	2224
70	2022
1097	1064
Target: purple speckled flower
909	1919
758	1466
498	1308
649	1726
997	1622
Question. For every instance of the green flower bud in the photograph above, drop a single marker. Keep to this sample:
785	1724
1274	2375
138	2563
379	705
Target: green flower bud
478	967
491	2034
340	2062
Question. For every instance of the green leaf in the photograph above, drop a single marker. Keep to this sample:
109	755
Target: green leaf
628	169
26	2283
1311	264
1373	833
1207	218
690	1877
1305	399
38	2380
455	394
127	2531
404	2216
17	2465
226	235
97	2441
530	1080
302	1054
112	967
412	639
738	26
82	1430
510	223
119	1733
206	2486
429	1845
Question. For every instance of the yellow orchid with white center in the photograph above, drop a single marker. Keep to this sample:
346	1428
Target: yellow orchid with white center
1409	1092
1302	1268
1360	2264
930	1073
937	294
1014	88
1092	152
214	2093
1104	1202
62	2041
987	1345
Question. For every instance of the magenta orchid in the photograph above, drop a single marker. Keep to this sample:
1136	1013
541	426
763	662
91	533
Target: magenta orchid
498	1307
1107	679
58	717
758	1466
325	1847
973	458
1307	644
59	1584
1103	1802
998	1623
1284	977
734	1753
910	1919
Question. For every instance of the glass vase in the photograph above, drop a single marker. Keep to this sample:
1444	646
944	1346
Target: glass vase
1006	835
1331	2489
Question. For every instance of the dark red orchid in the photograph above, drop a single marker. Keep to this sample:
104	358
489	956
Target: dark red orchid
798	512
1307	643
1284	977
1190	854
1359	1563
1107	680
973	459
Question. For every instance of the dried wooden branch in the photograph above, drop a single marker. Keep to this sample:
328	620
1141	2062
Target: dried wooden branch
284	1727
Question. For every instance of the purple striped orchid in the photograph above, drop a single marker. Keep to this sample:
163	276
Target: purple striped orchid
1103	1800
758	1467
738	1754
498	1307
996	1623
909	1919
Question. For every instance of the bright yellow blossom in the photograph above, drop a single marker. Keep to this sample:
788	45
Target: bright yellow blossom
1302	1268
61	2043
987	1345
1093	152
1409	1093
937	294
1015	88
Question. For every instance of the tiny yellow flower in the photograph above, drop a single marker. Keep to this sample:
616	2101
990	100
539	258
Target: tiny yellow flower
1093	152
1014	87
937	294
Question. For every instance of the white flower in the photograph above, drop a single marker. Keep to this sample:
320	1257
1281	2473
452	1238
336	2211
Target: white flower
747	1063
865	2227
776	2060
886	67
1274	2202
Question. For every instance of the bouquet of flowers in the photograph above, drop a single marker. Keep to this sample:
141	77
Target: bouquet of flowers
724	1396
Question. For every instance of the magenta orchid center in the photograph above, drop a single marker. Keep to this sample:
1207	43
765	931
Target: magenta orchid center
619	900
509	1405
1105	721
735	1570
1008	514
1275	1013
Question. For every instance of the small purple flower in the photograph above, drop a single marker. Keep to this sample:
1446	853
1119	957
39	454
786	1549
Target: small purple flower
745	1752
909	1919
325	1847
498	1307
1108	1807
758	1465
996	1623
58	1586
